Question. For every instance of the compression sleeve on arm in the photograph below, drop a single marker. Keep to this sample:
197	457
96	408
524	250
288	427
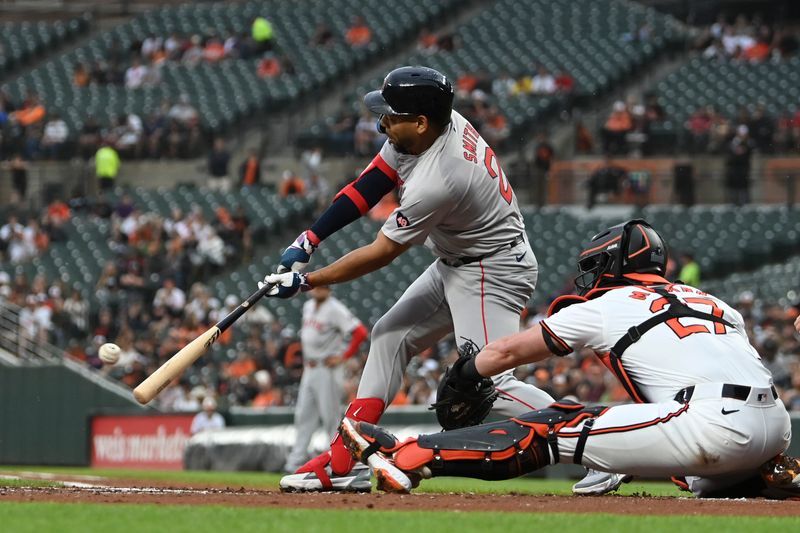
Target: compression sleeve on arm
355	199
358	336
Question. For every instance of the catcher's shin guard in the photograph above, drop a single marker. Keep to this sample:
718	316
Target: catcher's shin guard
499	450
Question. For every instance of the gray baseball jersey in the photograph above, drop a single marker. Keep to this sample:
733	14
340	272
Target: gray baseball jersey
326	327
455	199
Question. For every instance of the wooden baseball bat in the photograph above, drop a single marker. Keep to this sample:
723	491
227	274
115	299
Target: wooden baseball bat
175	365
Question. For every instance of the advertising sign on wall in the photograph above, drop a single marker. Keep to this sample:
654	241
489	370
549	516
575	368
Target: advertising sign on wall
140	441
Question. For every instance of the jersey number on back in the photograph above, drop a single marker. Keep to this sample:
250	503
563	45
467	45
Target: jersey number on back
684	331
490	160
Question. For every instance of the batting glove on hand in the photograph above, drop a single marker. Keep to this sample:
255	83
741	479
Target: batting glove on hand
286	284
296	257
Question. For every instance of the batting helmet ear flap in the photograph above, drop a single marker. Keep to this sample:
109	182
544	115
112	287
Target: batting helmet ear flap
562	302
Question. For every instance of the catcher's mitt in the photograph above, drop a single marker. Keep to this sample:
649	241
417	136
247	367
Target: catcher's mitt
462	402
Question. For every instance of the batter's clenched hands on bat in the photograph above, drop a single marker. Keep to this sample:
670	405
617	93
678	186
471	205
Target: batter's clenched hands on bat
286	284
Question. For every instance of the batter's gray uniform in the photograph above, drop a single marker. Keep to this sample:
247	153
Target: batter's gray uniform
326	327
455	198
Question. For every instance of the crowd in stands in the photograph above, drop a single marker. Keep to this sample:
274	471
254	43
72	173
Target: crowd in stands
742	39
29	131
149	301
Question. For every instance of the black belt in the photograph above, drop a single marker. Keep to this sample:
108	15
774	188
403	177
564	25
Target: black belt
737	392
461	261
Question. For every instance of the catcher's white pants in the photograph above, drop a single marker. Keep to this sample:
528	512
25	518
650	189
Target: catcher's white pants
715	442
481	301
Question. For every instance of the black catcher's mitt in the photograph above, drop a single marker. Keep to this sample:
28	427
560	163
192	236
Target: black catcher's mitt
462	402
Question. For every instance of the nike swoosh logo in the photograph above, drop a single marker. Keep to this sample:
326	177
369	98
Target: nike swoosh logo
724	412
519	257
355	413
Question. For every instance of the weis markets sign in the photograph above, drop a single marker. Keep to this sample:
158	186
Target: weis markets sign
140	441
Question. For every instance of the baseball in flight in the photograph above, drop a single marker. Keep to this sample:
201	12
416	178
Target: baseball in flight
109	353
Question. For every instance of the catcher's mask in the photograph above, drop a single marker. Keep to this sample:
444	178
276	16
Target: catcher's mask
632	247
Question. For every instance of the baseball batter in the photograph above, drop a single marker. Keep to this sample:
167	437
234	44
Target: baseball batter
454	199
327	323
706	409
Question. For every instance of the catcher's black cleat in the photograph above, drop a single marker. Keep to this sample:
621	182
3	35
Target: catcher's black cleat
373	445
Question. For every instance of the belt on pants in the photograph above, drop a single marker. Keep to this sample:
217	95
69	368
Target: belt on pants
312	363
725	390
461	261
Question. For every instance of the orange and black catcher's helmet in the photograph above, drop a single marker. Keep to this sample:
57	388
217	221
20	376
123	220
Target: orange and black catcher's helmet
632	247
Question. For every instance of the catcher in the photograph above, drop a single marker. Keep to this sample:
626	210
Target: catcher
706	410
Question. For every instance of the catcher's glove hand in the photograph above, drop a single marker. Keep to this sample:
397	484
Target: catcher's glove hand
463	402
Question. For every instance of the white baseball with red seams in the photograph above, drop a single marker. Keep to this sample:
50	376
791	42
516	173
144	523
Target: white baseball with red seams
109	353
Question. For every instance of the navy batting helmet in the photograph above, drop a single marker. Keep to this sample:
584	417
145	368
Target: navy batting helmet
413	91
632	247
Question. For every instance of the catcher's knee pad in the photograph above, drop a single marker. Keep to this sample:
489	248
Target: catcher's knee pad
499	450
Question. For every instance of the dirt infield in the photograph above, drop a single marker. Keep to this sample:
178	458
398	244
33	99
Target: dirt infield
136	492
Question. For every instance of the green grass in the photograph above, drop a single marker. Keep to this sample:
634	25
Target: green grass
104	518
263	480
29	483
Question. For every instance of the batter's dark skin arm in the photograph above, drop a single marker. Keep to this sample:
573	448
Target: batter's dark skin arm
359	262
510	352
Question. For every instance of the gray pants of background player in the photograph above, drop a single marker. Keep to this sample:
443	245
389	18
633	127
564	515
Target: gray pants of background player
481	301
319	402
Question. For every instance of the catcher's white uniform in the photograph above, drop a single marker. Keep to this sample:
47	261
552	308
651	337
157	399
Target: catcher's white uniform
708	409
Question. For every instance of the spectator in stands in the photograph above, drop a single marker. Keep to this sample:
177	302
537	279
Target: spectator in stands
698	126
495	126
54	140
721	132
427	42
323	35
584	142
366	138
89	137
31	112
208	419
564	82
605	181
502	85
762	129
737	167
193	54
218	160
543	156
135	74
230	46
384	208
358	34
690	270
170	297
214	49
262	35
543	82
291	184
250	169
616	128
269	66
81	76
267	396
18	168
184	112
106	163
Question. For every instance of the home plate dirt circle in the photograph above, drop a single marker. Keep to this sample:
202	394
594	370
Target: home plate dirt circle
134	493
